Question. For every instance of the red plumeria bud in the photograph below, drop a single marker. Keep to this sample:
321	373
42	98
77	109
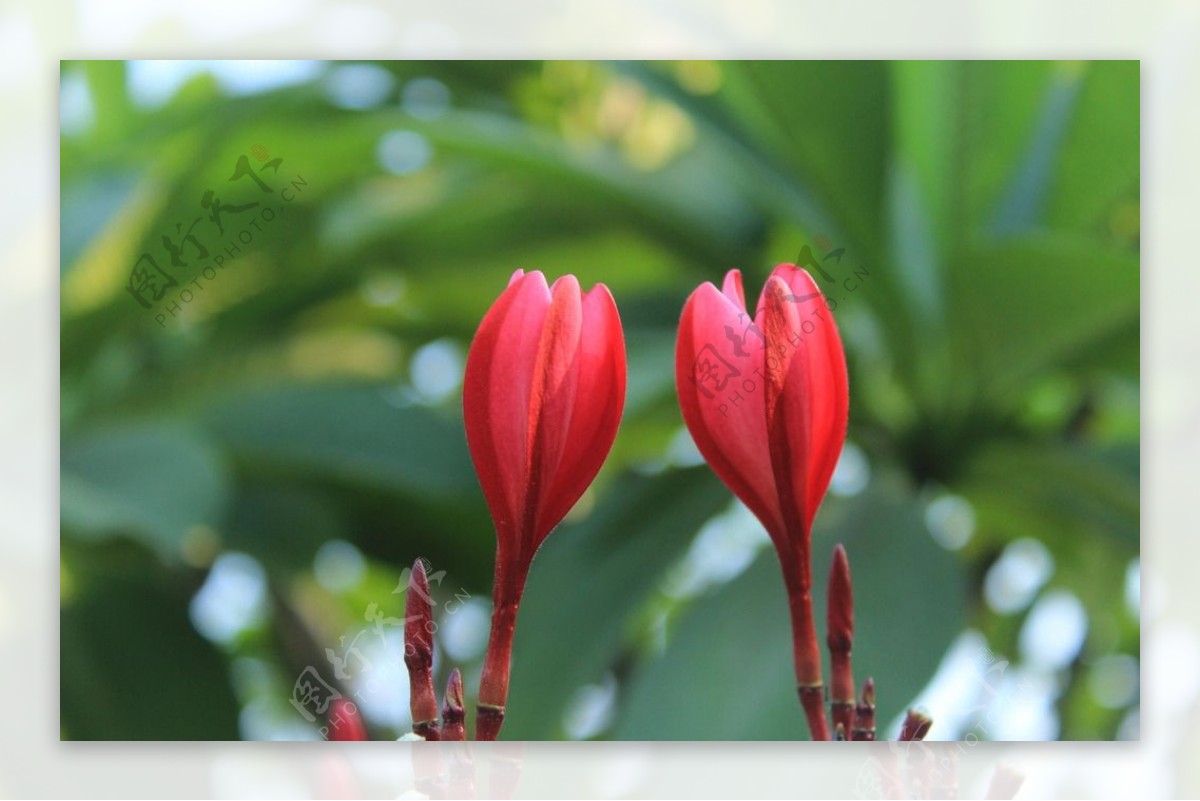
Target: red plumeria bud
915	726
864	713
840	638
765	398
542	398
453	713
418	653
345	723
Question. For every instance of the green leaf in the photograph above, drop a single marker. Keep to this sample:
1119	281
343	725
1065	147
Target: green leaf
1023	204
1093	499
587	584
727	672
153	481
360	434
1101	158
282	526
821	120
1029	304
132	667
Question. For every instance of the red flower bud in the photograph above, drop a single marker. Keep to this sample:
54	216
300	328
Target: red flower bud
542	398
765	398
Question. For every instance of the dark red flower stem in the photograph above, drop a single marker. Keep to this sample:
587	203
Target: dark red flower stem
806	652
808	663
493	686
795	556
418	653
840	639
497	662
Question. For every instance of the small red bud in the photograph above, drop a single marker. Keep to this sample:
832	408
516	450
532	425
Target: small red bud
864	713
345	723
840	638
418	653
916	726
453	713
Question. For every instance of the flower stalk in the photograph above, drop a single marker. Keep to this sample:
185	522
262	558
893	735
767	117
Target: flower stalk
497	664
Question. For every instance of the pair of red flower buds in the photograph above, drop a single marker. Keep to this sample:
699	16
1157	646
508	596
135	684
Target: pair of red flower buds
764	397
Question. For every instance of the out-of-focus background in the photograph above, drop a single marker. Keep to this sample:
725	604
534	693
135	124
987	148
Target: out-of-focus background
271	272
1164	34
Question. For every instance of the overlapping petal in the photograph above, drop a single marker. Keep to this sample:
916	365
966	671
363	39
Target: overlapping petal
542	398
718	364
765	399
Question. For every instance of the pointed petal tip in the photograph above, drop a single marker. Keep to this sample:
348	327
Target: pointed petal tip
520	276
599	290
776	283
454	690
733	288
787	269
841	562
567	281
420	574
709	288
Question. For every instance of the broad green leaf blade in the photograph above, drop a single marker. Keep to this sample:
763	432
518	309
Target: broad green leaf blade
152	481
587	584
1101	159
821	121
132	667
727	672
1027	305
361	434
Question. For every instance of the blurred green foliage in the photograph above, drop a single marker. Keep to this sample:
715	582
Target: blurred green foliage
306	393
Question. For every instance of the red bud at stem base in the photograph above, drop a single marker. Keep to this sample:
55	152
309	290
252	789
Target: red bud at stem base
915	726
418	653
840	639
864	713
453	714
